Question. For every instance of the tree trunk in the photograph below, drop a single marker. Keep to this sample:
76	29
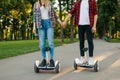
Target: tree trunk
71	29
110	32
60	14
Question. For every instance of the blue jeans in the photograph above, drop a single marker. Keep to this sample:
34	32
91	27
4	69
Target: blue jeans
82	29
46	32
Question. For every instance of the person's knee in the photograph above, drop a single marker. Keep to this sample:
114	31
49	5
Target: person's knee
42	46
51	45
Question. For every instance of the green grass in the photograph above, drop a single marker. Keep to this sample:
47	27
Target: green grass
114	40
15	48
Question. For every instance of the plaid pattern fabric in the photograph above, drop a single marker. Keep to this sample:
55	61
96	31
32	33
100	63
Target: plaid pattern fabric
37	15
92	11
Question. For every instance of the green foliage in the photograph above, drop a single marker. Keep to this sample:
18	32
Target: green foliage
117	35
115	40
17	14
106	9
111	23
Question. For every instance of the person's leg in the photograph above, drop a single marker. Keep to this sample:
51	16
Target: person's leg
90	41
50	36
81	32
42	43
90	45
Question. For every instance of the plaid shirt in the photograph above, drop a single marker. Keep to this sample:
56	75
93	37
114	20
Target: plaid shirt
92	11
37	15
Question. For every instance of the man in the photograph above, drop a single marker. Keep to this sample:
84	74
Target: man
85	18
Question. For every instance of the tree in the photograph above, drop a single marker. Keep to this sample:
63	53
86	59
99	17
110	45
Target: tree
111	26
106	10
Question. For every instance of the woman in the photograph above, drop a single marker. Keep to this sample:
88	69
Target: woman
44	20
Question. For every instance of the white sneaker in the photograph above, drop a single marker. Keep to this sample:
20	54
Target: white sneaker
82	60
91	61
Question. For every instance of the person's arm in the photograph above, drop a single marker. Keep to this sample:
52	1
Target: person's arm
34	28
56	17
66	19
72	11
34	19
94	24
59	20
95	17
95	20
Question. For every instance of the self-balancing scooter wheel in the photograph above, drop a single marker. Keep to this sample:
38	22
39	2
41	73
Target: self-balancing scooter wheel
36	69
75	65
57	68
96	66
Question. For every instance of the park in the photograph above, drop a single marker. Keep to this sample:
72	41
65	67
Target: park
19	47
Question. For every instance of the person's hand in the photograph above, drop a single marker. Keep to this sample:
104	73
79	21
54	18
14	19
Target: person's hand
34	28
63	24
34	31
60	22
93	29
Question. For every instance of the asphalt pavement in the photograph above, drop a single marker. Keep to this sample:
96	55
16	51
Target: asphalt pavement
22	67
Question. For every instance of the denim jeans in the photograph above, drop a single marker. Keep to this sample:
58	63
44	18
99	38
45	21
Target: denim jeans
46	32
82	29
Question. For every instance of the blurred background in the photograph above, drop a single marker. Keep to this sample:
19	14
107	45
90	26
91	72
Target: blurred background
16	20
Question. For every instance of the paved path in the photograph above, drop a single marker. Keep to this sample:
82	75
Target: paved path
21	67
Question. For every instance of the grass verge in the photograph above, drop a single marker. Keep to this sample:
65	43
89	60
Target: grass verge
15	48
114	40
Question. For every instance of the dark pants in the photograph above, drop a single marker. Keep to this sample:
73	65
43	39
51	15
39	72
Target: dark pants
82	29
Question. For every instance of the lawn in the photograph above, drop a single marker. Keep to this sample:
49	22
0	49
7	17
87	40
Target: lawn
15	48
114	40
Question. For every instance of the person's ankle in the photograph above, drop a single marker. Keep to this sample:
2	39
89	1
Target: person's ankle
91	57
